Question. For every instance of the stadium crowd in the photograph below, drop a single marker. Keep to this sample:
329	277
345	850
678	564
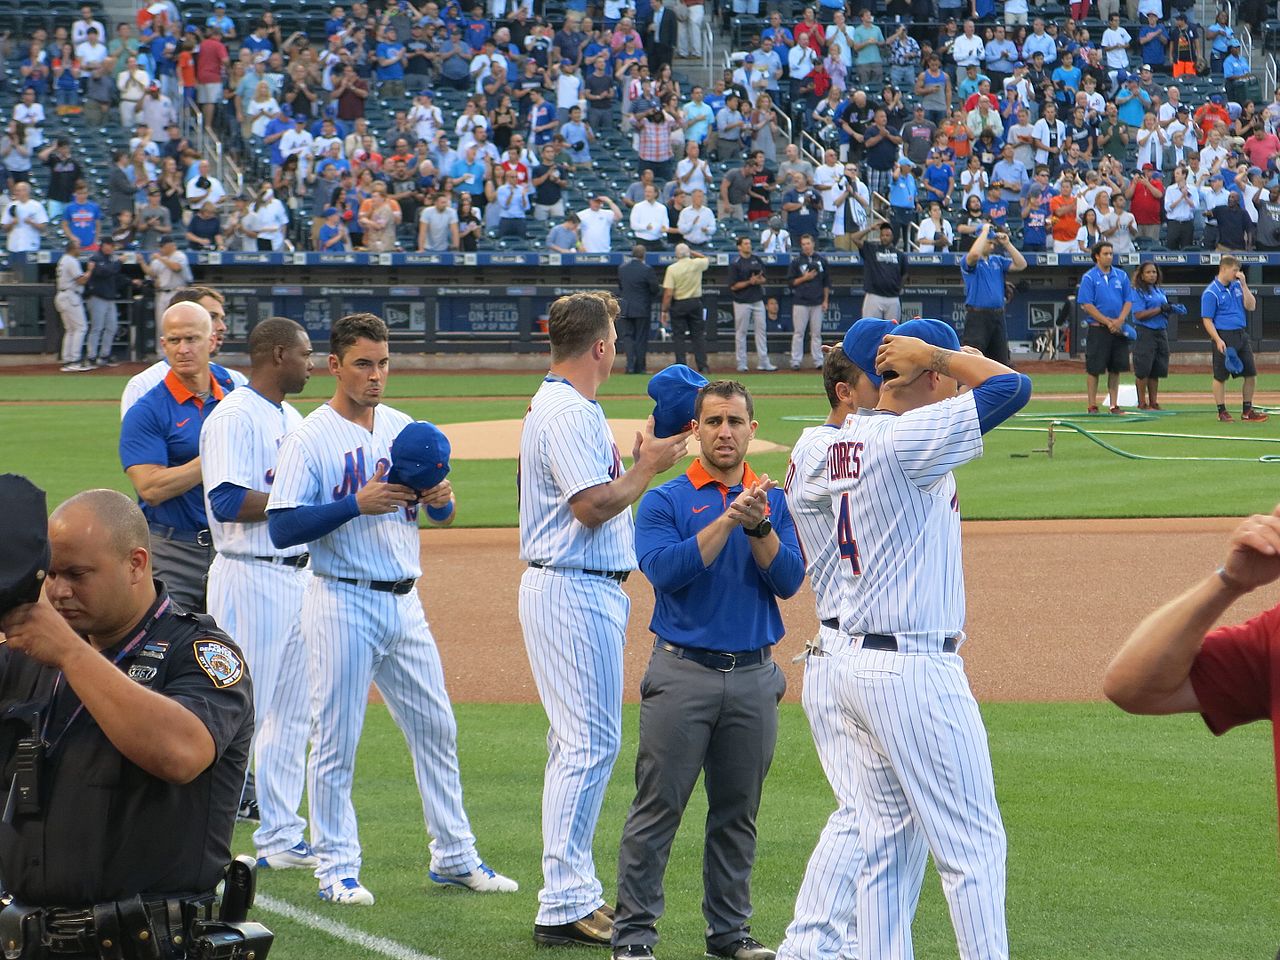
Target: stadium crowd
438	128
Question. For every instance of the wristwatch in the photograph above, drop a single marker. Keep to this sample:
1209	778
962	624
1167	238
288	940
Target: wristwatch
764	528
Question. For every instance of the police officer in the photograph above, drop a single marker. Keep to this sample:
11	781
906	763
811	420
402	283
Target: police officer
160	447
719	546
127	721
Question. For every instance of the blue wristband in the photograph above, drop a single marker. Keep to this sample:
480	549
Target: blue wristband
441	514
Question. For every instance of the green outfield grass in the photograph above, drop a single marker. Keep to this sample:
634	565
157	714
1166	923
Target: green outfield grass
1128	837
70	446
107	386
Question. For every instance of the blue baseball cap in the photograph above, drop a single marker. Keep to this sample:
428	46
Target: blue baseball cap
419	456
861	342
1130	331
674	390
1231	359
933	332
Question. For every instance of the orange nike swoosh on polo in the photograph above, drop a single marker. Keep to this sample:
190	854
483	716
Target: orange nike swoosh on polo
700	509
183	423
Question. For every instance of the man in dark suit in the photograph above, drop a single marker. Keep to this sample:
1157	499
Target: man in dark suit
662	48
639	285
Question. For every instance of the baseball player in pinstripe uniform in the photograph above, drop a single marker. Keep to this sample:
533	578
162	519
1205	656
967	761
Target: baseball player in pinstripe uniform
362	619
825	926
212	301
577	535
921	756
255	589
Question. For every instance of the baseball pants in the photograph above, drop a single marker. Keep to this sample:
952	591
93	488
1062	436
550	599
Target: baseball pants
746	315
574	627
695	720
260	605
103	320
356	636
70	308
184	568
825	923
806	317
886	308
687	324
926	785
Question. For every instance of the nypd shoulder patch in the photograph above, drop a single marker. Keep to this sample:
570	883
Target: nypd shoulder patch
222	664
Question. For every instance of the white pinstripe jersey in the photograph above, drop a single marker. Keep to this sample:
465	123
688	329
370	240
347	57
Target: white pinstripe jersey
148	378
240	444
897	516
809	501
566	447
327	458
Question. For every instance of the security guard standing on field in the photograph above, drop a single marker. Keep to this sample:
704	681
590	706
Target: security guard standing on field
124	733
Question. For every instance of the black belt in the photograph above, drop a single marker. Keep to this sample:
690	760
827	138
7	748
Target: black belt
297	562
398	587
832	624
887	641
199	537
619	575
716	659
90	930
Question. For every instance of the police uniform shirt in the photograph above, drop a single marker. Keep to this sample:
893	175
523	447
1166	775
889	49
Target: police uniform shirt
883	270
163	428
810	292
108	830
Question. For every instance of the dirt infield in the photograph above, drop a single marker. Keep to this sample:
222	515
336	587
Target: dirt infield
1049	602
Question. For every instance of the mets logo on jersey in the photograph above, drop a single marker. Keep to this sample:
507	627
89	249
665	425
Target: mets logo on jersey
615	468
220	662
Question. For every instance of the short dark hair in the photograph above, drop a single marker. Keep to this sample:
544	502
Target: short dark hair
807	236
356	326
726	389
1098	248
194	294
575	322
838	368
271	333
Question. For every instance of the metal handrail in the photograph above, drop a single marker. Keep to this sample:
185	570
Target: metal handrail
784	123
1246	43
209	146
815	155
1269	76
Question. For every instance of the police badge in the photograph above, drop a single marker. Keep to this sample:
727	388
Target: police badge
220	662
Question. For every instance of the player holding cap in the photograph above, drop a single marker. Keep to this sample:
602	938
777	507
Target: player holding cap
578	537
897	524
825	925
255	589
362	619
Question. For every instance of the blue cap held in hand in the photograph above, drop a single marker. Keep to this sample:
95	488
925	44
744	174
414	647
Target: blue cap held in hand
1129	331
862	341
1235	366
419	456
674	391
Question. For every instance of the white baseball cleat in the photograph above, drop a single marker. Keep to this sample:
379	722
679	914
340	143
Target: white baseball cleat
347	891
483	879
297	857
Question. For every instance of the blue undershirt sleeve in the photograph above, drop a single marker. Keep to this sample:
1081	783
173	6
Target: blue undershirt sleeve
291	526
1000	398
226	499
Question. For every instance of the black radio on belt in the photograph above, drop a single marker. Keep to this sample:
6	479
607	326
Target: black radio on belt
28	761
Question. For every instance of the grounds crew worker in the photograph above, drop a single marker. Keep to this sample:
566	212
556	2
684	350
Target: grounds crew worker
125	732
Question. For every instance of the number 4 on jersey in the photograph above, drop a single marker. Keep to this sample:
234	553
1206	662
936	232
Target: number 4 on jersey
845	539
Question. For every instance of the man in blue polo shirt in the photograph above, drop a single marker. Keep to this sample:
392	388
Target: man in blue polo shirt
983	271
160	453
1106	300
719	546
1222	311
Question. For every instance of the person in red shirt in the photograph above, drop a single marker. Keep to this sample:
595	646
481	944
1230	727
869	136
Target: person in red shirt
1177	662
512	162
1261	147
1146	198
211	66
810	31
